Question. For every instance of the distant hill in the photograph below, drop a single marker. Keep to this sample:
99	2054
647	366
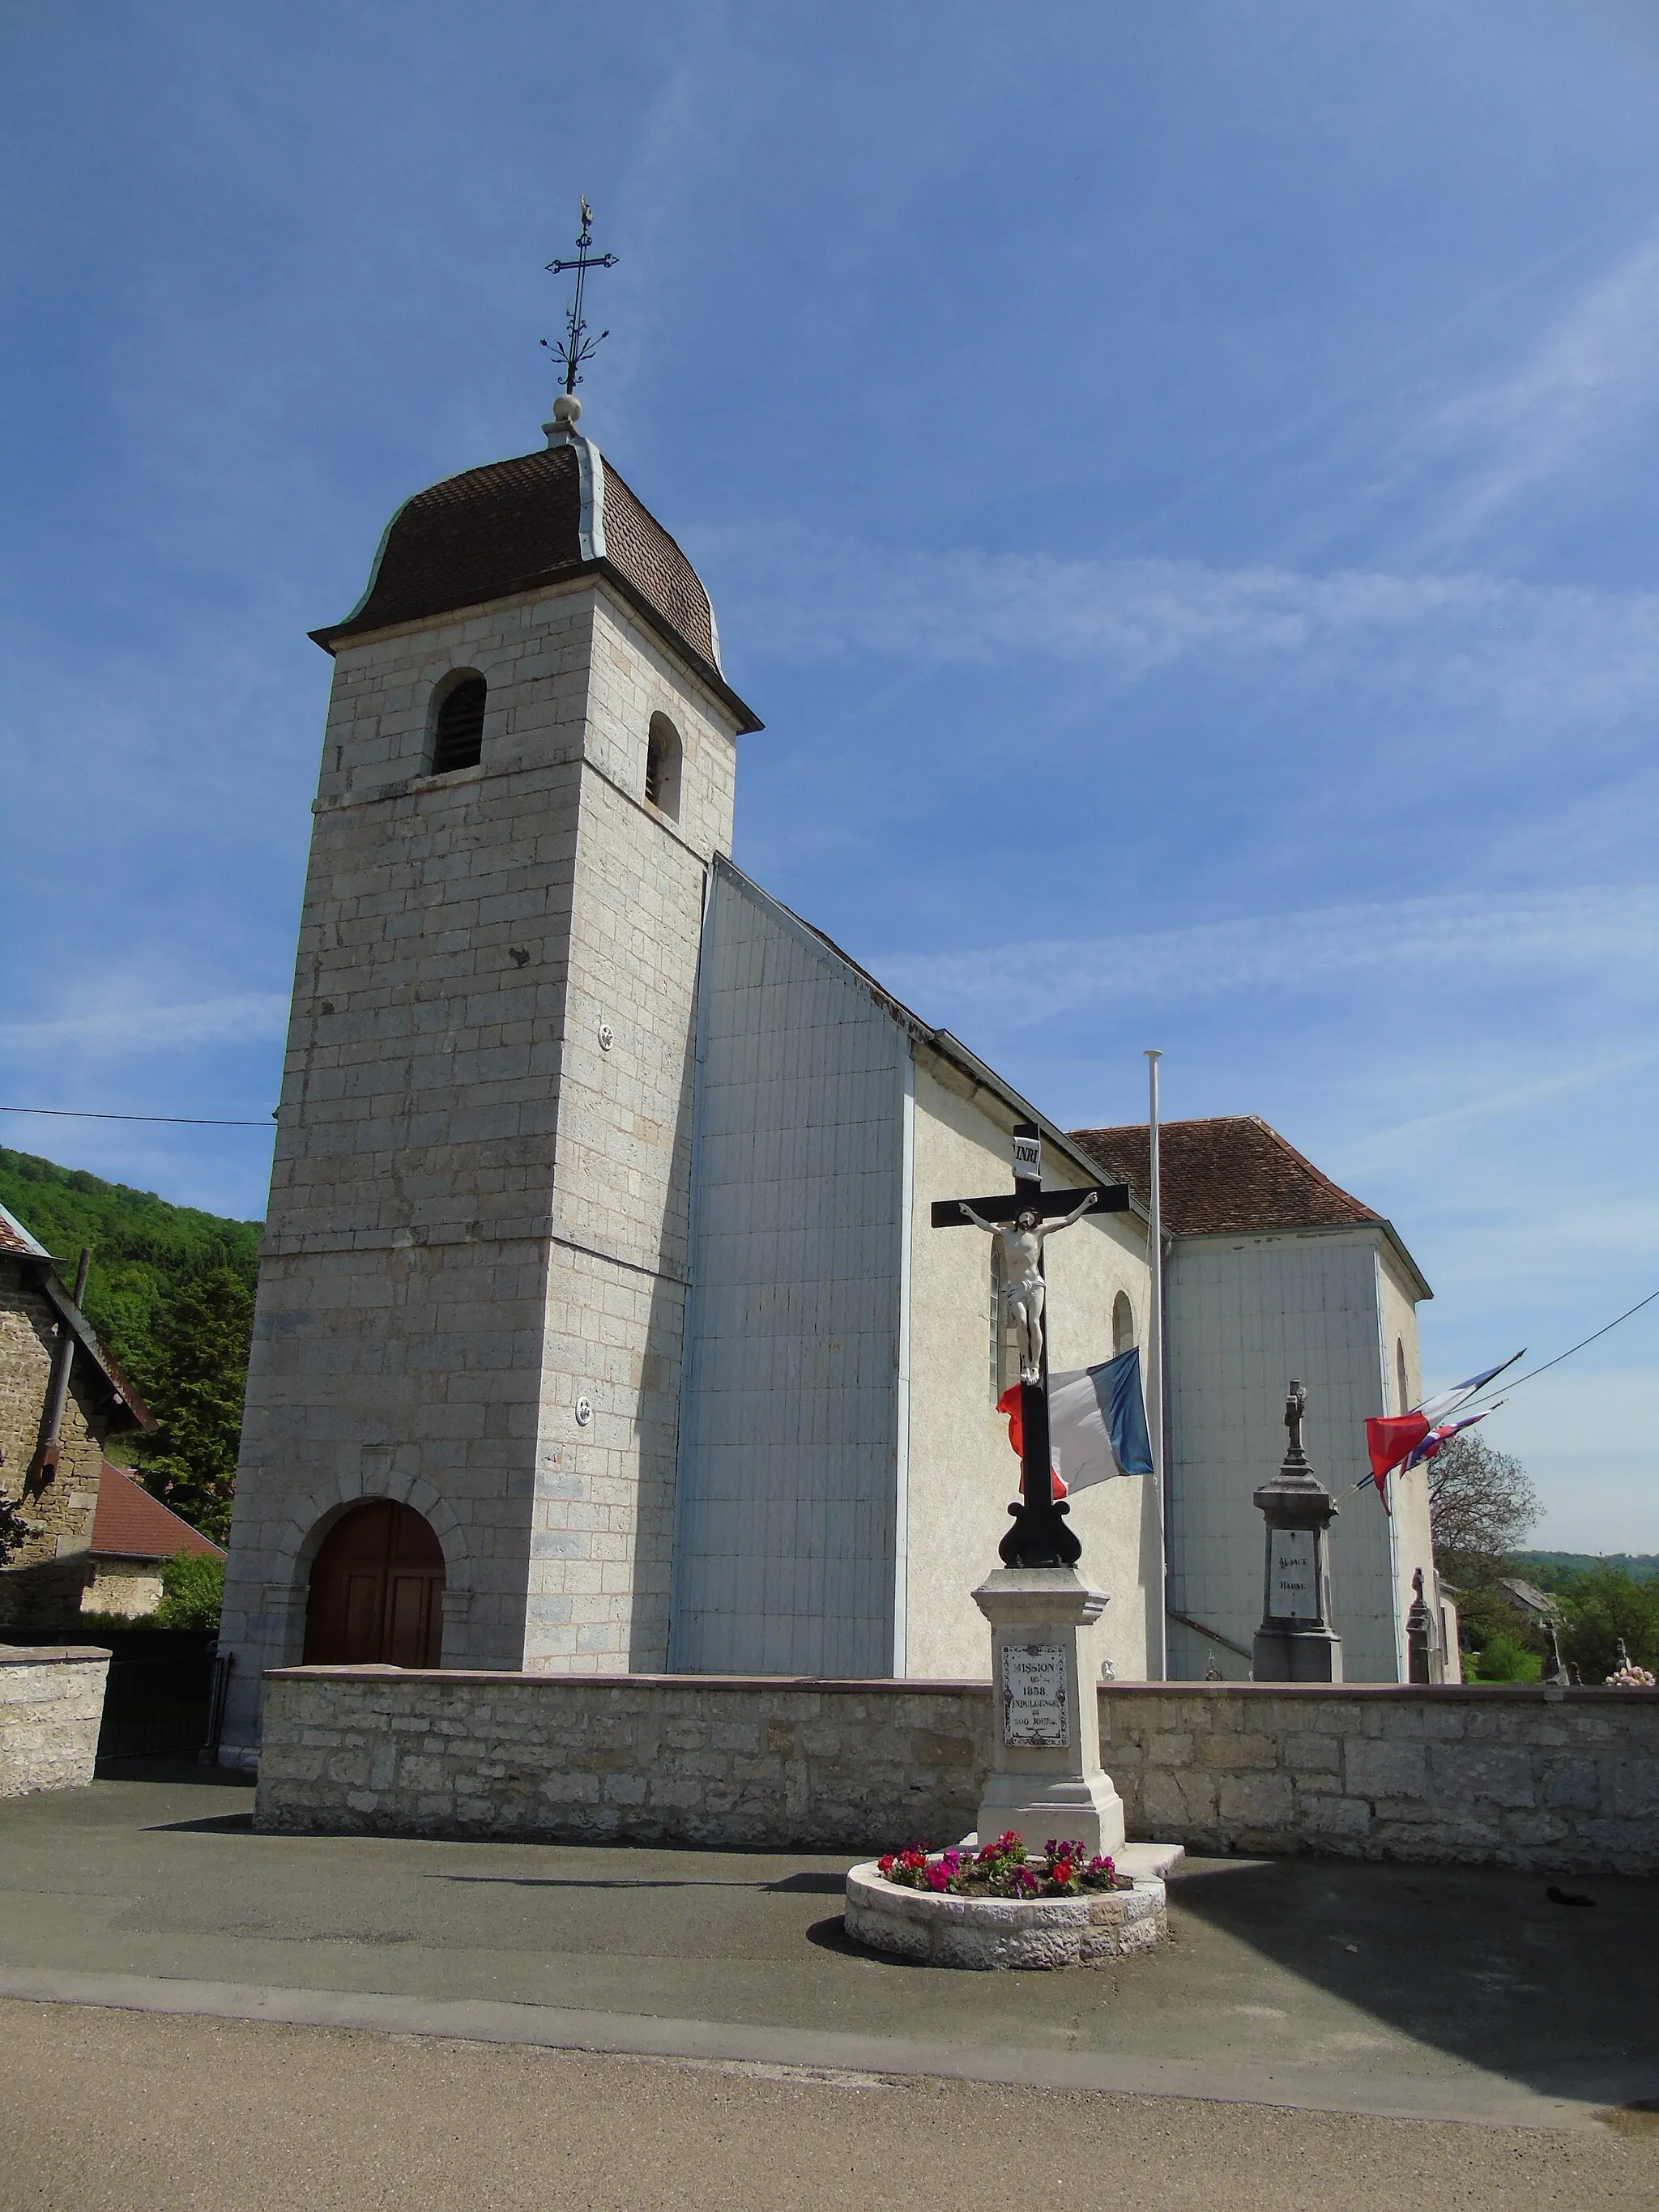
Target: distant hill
142	1247
1640	1566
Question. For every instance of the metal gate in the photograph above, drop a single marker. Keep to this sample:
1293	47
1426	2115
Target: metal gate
159	1700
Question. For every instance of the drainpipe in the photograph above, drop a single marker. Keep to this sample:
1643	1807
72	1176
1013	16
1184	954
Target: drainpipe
62	1359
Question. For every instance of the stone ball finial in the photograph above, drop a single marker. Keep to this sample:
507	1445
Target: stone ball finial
567	410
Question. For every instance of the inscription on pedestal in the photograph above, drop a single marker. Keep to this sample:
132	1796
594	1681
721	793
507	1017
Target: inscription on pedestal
1292	1593
1035	1713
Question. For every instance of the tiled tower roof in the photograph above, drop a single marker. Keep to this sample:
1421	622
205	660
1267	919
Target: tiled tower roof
514	526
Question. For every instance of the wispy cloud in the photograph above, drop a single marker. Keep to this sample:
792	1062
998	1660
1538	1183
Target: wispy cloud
1523	649
1473	939
131	1025
1586	384
1404	1140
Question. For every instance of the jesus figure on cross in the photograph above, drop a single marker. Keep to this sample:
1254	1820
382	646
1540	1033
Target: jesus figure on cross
1021	1274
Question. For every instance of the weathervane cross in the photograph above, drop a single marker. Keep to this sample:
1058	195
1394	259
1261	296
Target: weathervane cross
576	347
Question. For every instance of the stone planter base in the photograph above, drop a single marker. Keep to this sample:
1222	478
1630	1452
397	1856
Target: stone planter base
1005	1932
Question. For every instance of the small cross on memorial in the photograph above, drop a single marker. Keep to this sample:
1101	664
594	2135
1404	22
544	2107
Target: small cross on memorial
1024	1220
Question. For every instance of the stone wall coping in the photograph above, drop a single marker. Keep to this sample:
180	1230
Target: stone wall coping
49	1655
827	1685
935	1686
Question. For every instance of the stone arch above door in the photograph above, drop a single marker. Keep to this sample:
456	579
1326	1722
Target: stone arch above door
375	1591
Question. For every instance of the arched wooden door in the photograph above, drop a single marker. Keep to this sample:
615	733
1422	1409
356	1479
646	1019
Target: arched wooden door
377	1589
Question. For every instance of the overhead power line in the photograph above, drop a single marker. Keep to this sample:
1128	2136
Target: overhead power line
186	1120
1571	1348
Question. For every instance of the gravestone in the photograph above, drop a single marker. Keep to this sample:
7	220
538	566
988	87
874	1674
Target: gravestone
1296	1642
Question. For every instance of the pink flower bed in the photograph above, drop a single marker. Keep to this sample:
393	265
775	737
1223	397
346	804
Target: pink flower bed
1003	1868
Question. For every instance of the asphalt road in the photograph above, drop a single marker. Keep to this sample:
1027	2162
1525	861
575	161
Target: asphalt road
297	2021
114	2112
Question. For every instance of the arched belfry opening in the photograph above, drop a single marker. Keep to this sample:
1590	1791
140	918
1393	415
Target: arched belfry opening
457	713
664	754
377	1589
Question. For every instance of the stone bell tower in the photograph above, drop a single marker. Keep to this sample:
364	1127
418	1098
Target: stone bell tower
472	1283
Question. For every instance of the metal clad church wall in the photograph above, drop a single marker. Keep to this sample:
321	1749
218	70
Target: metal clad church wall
784	1550
1246	1314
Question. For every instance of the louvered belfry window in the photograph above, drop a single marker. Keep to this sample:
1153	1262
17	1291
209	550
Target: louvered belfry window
457	738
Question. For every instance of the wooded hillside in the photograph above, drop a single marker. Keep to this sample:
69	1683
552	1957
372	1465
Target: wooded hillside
171	1293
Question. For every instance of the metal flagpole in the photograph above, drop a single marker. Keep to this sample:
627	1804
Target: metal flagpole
1155	1361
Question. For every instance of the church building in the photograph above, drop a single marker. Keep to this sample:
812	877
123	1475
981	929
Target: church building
602	1326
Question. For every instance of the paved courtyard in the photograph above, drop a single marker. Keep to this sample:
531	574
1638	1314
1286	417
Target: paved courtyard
337	1986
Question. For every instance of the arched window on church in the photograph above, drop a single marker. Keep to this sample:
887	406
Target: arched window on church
457	713
1401	1403
663	754
1123	1323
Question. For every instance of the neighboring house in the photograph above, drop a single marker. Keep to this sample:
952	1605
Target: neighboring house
1274	1271
62	1396
133	1537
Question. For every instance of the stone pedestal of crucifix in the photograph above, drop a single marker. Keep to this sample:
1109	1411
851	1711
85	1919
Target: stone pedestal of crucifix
1048	1780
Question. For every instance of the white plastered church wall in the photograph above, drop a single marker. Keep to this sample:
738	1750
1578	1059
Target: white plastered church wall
962	1472
1408	1493
785	1547
416	1318
1246	1313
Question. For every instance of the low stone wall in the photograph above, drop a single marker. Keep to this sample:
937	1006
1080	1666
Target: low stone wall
678	1759
51	1702
1476	1775
1566	1781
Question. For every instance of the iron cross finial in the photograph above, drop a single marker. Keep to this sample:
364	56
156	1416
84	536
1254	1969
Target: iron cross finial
576	347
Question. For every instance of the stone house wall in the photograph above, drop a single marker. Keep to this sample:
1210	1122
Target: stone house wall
41	1588
132	1586
1567	1781
51	1704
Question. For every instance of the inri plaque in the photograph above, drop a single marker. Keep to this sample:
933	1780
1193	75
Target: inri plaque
1293	1592
1035	1713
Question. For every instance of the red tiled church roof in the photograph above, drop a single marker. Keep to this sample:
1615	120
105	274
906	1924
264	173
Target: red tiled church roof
131	1524
1229	1175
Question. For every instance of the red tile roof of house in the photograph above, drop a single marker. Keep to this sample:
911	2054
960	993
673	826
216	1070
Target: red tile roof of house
1230	1175
14	1237
131	1524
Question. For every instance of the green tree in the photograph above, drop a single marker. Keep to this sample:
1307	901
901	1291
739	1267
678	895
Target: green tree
193	1376
141	1246
192	1592
1602	1607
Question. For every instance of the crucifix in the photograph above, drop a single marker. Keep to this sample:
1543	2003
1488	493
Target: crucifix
1023	1221
576	347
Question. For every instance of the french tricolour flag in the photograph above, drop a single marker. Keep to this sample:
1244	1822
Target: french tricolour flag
1097	1423
1400	1440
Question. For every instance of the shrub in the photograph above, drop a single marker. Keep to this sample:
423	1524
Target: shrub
14	1530
1505	1658
192	1591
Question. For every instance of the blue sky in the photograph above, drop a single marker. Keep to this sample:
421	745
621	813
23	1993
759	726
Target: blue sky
1177	484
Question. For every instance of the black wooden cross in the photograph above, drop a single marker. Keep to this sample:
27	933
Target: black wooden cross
1039	1537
